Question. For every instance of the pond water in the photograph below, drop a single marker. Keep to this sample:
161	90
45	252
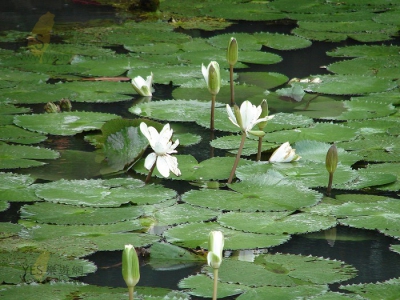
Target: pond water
368	251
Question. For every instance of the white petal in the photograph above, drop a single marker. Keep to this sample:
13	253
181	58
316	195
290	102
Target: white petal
173	165
162	165
231	115
204	70
144	129
150	160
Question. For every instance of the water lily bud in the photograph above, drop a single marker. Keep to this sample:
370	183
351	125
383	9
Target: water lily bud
215	248
232	54
264	113
130	266
212	77
65	104
50	107
331	159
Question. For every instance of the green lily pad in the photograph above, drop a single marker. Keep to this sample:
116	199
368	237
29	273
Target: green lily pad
199	285
264	292
377	148
322	36
99	193
266	80
9	229
193	170
364	51
316	152
279	197
321	132
381	67
54	213
13	134
21	156
381	290
285	270
17	188
310	174
124	147
281	42
65	123
246	41
232	142
272	223
383	215
195	235
64	246
99	91
15	265
350	85
392	168
183	213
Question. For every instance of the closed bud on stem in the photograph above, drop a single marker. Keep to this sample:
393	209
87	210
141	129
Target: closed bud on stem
232	53
264	113
331	159
130	266
215	248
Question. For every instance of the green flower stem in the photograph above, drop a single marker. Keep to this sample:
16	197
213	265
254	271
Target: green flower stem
232	85
215	289
150	172
259	148
212	112
131	289
328	190
237	157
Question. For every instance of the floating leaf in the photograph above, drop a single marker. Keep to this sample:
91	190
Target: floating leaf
19	156
19	267
266	80
265	222
99	193
17	188
364	50
18	135
389	289
321	132
195	235
183	213
53	213
65	123
350	85
279	197
193	170
9	229
281	42
199	285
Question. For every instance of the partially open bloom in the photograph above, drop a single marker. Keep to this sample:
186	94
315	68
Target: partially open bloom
212	77
285	153
143	87
247	117
215	248
162	145
130	266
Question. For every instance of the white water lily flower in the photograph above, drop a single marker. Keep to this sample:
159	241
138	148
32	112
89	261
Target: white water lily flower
141	86
215	248
247	117
162	145
285	153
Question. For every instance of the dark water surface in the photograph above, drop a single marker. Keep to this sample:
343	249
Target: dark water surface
368	251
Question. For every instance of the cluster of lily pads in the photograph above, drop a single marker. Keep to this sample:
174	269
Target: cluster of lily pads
78	202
